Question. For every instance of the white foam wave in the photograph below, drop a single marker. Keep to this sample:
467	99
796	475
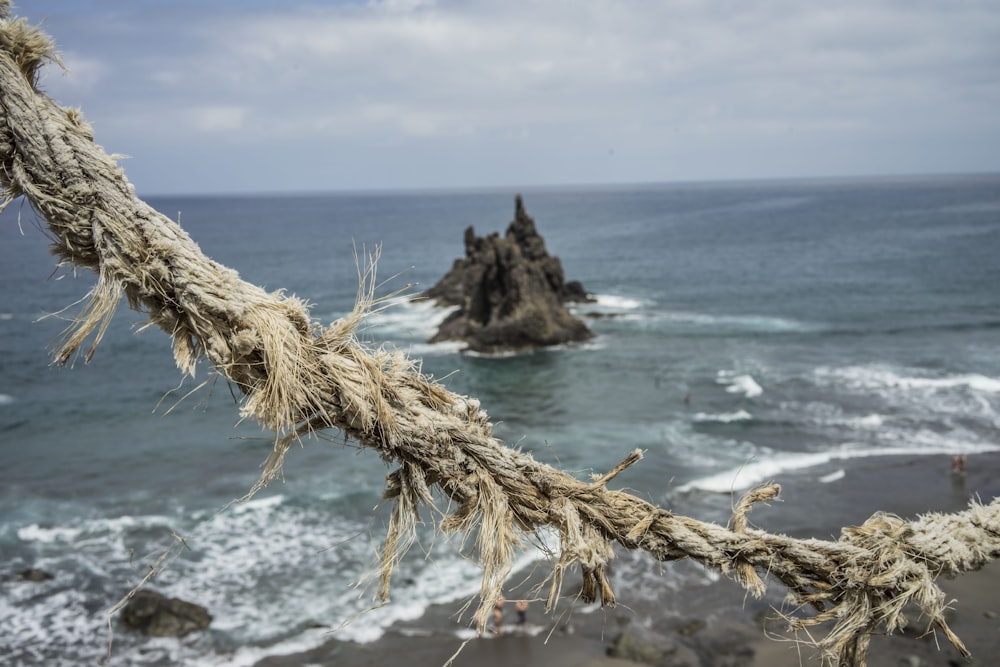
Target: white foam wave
257	504
759	471
419	350
725	417
822	414
753	472
698	448
88	530
611	305
833	476
881	377
642	581
6	399
277	575
742	323
918	394
270	538
245	656
590	345
739	383
868	422
442	579
37	533
64	618
505	354
616	302
409	317
973	381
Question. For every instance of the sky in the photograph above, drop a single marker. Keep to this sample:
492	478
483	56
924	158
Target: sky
243	96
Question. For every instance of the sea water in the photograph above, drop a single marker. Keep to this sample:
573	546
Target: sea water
744	332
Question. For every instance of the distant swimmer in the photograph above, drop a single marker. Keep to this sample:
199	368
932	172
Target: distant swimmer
958	464
498	615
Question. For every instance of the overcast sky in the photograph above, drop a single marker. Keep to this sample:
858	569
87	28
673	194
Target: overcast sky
244	96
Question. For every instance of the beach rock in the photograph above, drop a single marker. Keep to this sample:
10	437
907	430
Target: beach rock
726	644
684	656
33	574
642	645
159	616
691	627
510	293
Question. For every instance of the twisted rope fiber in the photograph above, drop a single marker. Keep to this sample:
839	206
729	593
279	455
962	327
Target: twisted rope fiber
297	377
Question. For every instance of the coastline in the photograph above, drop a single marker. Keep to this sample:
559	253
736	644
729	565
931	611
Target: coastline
719	623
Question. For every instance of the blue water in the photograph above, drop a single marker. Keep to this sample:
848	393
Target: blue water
747	331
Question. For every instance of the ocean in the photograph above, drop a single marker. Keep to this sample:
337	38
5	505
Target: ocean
745	331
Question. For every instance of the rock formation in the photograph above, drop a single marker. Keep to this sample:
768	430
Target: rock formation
511	294
159	616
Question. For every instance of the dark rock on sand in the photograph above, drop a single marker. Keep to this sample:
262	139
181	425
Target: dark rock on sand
642	645
511	294
159	616
693	644
691	627
725	643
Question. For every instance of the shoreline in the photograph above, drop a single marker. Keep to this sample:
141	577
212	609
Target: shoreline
719	623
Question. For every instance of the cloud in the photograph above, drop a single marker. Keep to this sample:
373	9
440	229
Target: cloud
217	118
668	78
85	74
546	64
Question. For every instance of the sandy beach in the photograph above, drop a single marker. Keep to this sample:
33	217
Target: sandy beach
718	624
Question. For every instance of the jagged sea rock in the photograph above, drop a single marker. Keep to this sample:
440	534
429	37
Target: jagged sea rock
159	616
510	293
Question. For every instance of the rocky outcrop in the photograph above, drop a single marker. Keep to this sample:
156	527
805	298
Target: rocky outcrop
510	293
159	616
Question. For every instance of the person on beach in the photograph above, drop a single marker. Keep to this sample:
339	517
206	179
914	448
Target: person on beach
958	464
522	612
498	615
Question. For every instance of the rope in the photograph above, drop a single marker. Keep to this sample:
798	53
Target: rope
297	377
